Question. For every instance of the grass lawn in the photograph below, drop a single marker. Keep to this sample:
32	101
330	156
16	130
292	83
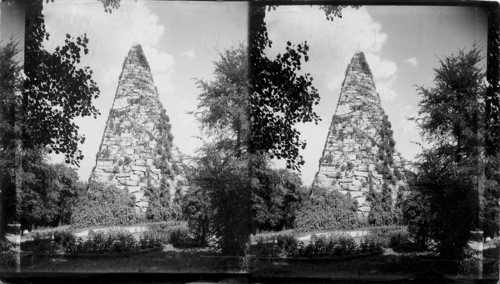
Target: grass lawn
192	260
390	265
387	266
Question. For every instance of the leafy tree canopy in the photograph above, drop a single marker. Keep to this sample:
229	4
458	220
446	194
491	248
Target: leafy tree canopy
223	103
280	97
452	111
56	90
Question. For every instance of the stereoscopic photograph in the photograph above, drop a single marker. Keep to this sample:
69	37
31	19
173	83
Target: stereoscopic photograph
249	142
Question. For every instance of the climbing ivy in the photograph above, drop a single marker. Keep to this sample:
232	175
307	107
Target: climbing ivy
382	212
161	206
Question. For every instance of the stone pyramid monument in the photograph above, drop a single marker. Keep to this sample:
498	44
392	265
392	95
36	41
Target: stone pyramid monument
137	148
359	158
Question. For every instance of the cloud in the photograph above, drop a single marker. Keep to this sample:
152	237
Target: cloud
386	89
381	68
411	61
112	37
332	44
189	54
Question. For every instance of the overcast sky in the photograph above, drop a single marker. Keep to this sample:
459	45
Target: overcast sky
181	40
402	46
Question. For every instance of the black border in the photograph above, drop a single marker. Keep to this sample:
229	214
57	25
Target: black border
491	8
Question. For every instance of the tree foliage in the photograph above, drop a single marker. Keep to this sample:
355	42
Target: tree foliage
162	205
454	172
224	178
327	210
279	97
10	86
451	112
221	168
223	103
197	210
442	206
56	90
276	198
47	192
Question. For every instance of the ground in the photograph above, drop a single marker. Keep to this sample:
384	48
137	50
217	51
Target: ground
388	265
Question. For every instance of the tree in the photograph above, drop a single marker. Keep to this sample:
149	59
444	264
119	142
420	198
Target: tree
223	103
10	85
279	97
48	192
276	198
442	206
451	111
452	118
221	170
224	178
55	90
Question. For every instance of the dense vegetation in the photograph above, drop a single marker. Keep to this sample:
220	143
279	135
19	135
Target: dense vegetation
454	175
327	210
103	205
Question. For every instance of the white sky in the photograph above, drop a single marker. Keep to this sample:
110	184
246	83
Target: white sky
402	45
181	40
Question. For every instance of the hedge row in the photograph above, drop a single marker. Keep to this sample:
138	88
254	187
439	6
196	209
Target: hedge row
113	241
334	245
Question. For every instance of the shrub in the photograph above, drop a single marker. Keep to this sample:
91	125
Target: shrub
64	238
7	255
342	245
327	211
265	246
123	241
102	242
335	245
196	209
38	243
179	236
103	205
372	243
400	240
159	233
150	239
288	245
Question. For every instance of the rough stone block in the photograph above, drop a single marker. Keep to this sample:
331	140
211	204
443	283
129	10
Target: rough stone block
139	168
139	195
361	174
132	188
129	182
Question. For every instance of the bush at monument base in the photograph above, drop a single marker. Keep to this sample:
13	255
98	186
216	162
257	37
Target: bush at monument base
327	211
103	205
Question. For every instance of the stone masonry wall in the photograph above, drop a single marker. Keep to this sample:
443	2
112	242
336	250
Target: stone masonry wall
354	158
137	147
